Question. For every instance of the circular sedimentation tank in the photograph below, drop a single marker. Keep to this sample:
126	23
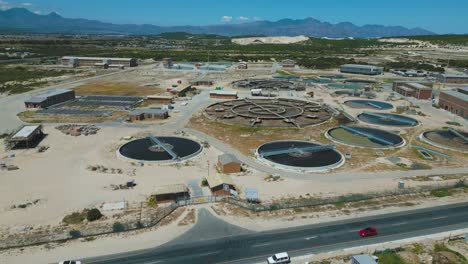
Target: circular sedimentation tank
300	156
447	139
385	119
160	149
369	104
276	112
365	137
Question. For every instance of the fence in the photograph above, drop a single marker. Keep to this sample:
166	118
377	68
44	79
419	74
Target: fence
133	219
316	201
146	216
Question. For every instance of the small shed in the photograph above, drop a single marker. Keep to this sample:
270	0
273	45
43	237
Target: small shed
221	94
152	113
26	137
171	193
228	163
220	184
363	259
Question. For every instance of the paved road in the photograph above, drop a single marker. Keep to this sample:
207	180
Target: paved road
252	248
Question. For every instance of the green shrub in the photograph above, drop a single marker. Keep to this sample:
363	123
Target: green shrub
453	123
75	233
93	215
118	227
204	182
441	193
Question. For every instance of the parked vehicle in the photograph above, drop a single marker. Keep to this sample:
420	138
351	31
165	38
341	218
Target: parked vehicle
369	231
70	262
279	258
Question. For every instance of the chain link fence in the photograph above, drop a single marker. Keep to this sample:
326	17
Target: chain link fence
318	201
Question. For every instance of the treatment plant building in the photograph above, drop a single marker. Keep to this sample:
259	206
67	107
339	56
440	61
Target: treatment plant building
362	69
51	97
413	89
453	78
455	101
98	61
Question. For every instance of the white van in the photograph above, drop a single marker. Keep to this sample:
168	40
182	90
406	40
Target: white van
279	258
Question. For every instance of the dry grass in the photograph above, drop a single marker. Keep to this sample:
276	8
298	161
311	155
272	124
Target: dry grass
33	117
172	217
116	88
188	219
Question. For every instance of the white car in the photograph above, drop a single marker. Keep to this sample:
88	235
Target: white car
70	262
279	258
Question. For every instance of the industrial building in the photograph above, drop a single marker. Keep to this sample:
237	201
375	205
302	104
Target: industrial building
141	114
455	101
362	69
242	66
413	89
51	97
167	63
222	94
160	99
288	63
453	78
364	259
96	61
228	163
220	184
201	82
26	137
171	193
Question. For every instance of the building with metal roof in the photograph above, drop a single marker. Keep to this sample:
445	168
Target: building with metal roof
453	78
361	69
455	101
26	137
77	61
228	163
220	184
171	193
151	113
363	259
413	89
49	98
223	94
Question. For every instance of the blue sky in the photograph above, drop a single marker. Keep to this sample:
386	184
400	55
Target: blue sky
448	16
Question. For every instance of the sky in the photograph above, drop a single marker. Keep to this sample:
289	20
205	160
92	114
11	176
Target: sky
448	16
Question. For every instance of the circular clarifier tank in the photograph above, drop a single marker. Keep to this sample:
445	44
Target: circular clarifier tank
365	137
160	149
452	139
368	104
300	155
385	119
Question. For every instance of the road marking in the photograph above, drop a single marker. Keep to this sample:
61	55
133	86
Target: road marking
401	223
312	237
153	262
207	253
261	244
440	217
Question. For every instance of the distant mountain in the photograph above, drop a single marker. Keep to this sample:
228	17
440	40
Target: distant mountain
23	20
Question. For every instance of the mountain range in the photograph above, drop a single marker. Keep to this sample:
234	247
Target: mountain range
21	19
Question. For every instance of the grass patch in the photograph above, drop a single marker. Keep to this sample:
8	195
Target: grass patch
441	193
453	123
116	88
74	218
417	249
391	258
444	248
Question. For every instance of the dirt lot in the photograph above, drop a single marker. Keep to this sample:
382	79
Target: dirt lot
33	117
117	88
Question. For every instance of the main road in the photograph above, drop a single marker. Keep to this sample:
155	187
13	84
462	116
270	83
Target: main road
299	241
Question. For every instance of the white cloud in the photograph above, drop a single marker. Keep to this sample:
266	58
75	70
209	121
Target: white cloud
243	19
5	5
257	19
37	12
26	4
226	18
